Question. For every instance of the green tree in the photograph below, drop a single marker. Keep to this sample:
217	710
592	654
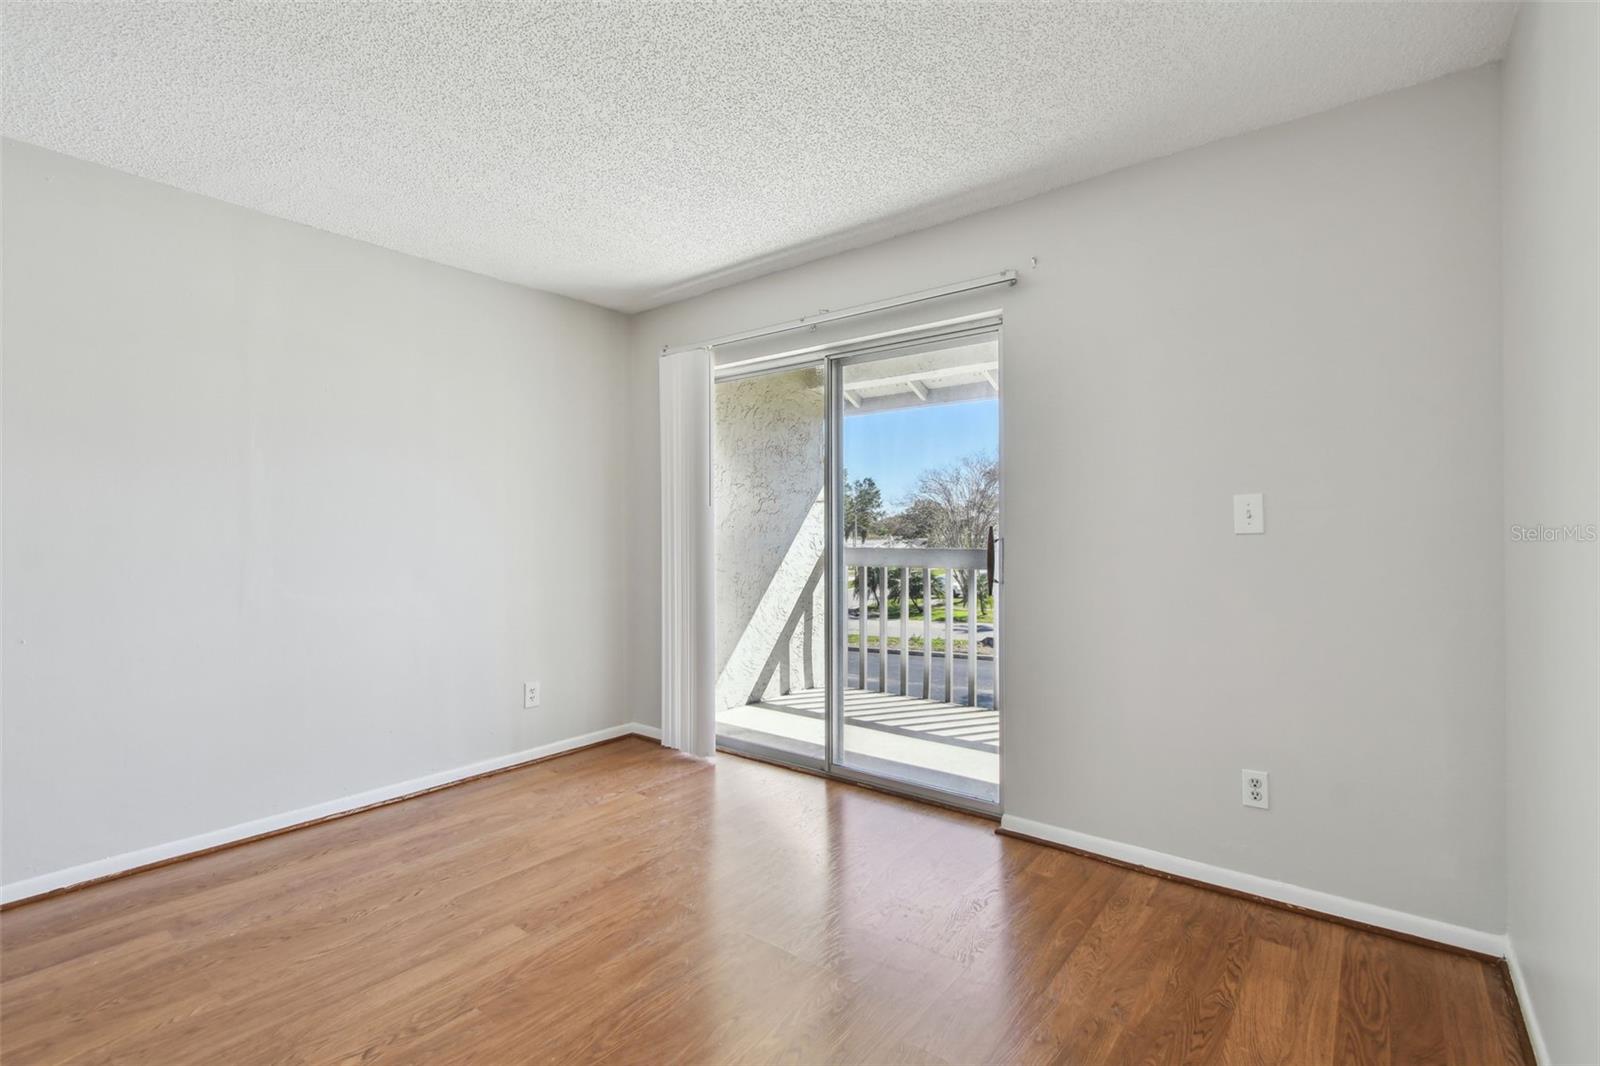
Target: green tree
954	507
863	509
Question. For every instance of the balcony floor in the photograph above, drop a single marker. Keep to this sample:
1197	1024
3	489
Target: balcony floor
939	745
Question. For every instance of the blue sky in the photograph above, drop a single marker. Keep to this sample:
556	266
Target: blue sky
893	447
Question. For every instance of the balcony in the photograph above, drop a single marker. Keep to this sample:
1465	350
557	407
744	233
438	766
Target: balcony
919	685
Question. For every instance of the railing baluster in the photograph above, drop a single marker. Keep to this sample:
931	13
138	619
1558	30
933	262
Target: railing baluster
927	633
905	639
949	634
973	601
849	595
863	578
883	629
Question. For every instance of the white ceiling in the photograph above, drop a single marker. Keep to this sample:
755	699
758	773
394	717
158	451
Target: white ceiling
635	153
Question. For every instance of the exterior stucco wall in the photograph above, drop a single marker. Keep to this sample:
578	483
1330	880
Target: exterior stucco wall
770	535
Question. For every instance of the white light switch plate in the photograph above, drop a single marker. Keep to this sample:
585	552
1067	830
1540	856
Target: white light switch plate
1249	513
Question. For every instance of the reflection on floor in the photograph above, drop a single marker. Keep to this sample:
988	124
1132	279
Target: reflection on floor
939	745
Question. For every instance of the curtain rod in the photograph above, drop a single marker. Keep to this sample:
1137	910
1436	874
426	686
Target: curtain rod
1005	277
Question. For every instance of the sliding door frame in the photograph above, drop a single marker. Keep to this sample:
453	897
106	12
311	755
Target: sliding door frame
833	361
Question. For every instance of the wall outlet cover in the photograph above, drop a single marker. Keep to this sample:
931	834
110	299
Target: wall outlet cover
1256	785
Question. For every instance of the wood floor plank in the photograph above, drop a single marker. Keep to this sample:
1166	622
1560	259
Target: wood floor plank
1318	959
1364	1036
630	905
1188	1018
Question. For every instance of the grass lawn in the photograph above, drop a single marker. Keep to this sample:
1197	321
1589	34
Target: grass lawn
959	647
985	615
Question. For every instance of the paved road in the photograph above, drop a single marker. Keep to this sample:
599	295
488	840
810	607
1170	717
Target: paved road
914	668
915	627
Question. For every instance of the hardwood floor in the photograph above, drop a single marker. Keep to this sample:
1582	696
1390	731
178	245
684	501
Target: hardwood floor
624	904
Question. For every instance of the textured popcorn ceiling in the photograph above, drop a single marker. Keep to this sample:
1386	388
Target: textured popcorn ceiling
636	153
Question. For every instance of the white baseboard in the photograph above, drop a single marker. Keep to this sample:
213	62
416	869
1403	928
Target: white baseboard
1530	1020
1368	913
130	860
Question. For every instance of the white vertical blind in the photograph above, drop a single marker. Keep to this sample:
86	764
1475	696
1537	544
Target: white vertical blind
688	581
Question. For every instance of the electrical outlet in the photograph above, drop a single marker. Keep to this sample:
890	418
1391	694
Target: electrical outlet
530	694
1255	789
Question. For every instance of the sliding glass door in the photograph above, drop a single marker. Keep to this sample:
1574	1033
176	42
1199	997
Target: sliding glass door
858	497
771	537
917	443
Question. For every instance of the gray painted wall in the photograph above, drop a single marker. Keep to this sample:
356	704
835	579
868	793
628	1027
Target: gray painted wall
257	427
1552	336
287	516
1312	312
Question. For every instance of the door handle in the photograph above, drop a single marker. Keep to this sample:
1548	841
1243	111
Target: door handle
989	562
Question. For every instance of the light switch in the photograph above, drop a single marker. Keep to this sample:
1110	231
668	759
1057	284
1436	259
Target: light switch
1249	514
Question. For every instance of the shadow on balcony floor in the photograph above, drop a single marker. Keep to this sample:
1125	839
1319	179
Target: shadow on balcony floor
945	746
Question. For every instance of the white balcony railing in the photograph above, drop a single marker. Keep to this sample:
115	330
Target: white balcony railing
877	569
